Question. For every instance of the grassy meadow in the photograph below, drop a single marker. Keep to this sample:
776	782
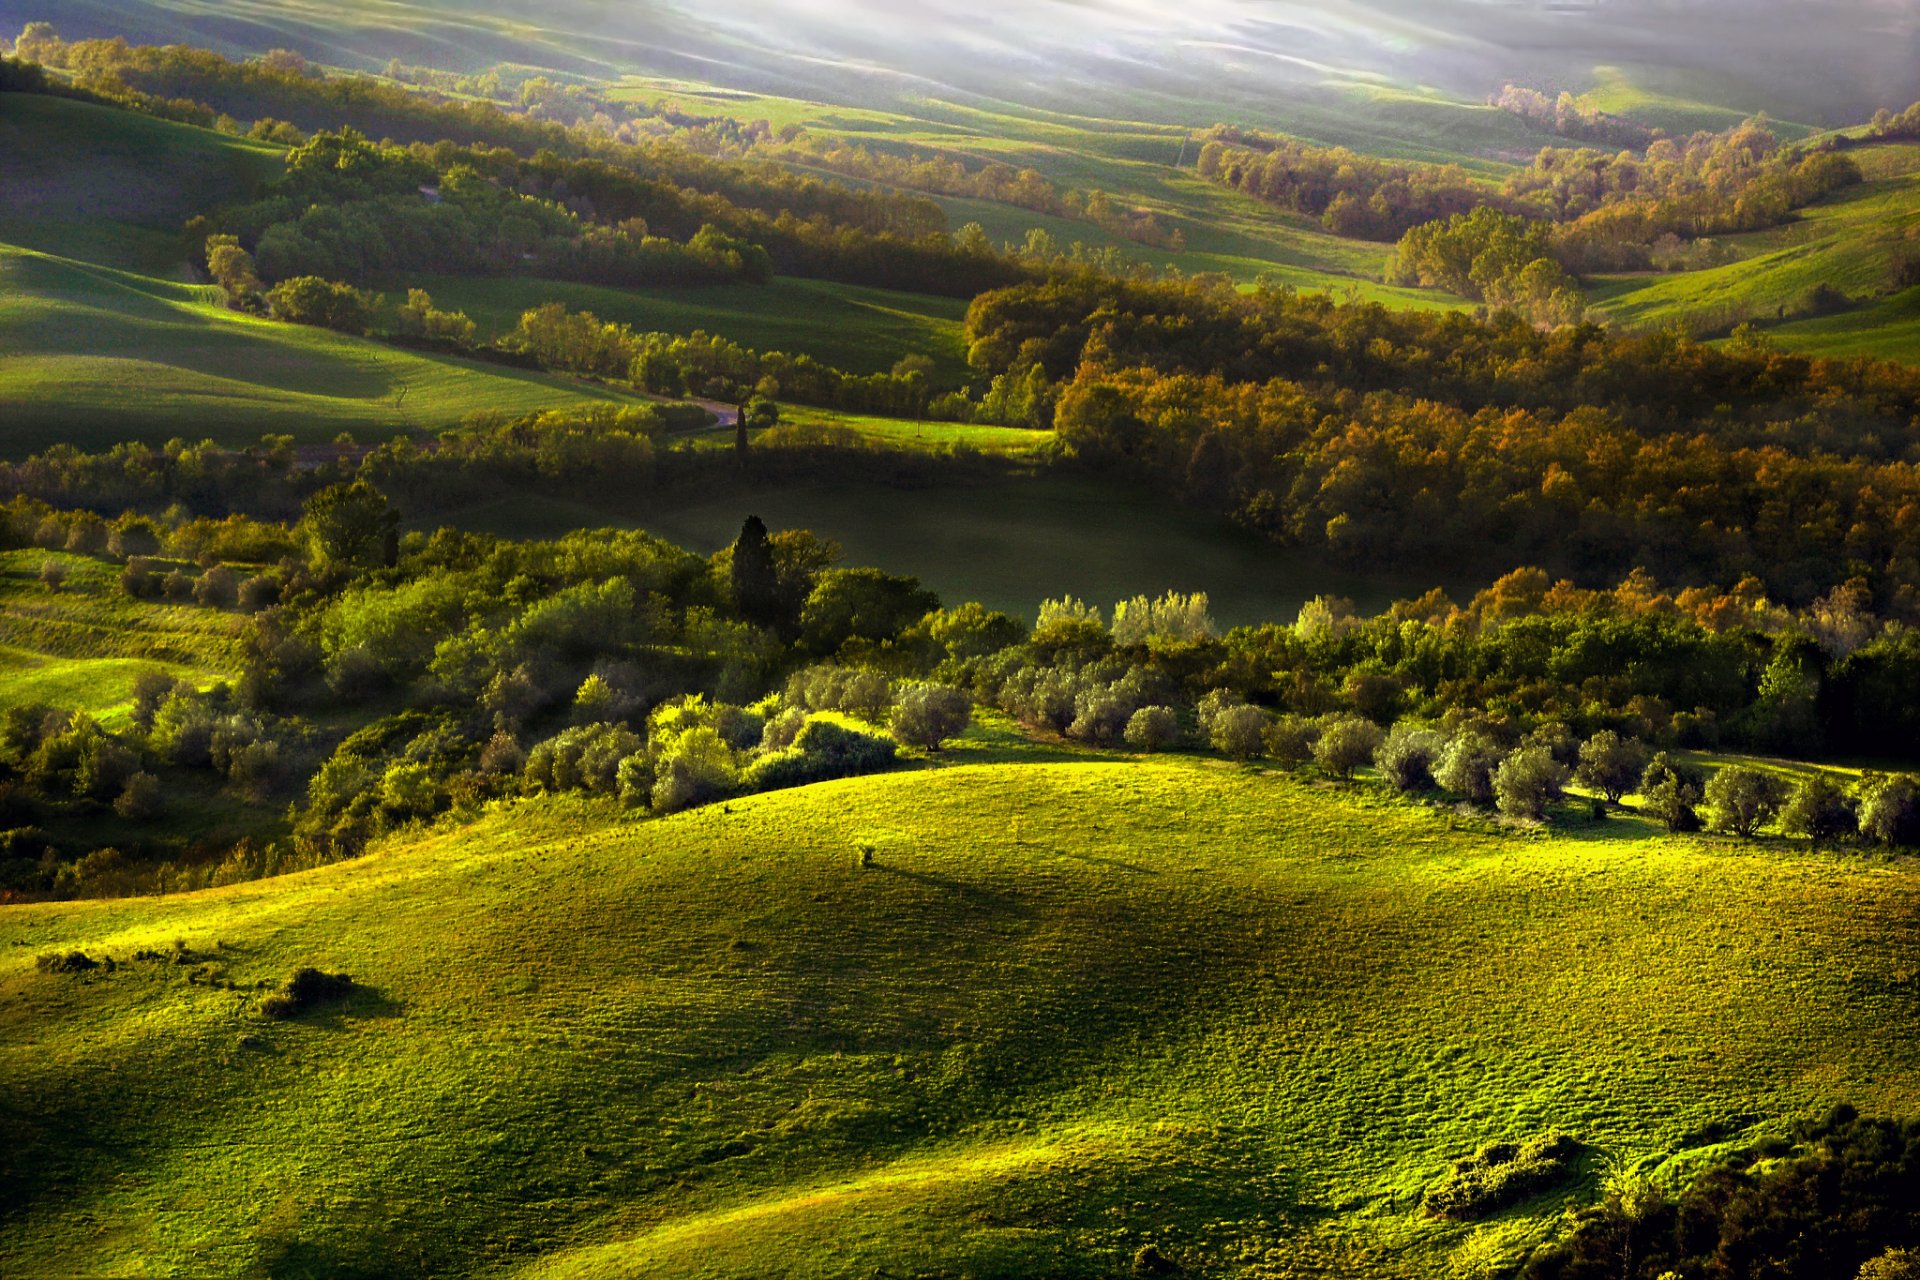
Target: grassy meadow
1075	1006
858	329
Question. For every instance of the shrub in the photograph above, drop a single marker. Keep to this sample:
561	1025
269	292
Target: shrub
1611	764
825	749
1466	766
1346	743
262	591
53	574
1889	812
1528	781
586	758
137	578
66	962
927	715
1894	1264
1407	757
1239	732
1152	729
1290	740
1501	1173
1743	800
1671	790
139	799
305	990
216	588
502	754
695	768
1819	809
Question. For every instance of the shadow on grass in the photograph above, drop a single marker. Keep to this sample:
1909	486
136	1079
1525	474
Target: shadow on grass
972	895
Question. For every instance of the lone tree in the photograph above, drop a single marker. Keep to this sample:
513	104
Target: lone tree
927	715
353	526
1743	800
755	579
1889	809
1611	764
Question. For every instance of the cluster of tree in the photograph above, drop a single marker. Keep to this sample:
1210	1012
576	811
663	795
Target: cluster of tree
1566	116
701	364
1492	257
1837	1199
950	176
349	209
1611	210
1351	194
1385	435
1889	126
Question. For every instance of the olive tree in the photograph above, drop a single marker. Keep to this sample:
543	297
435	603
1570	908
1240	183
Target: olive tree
1742	800
1528	781
1466	766
1153	729
927	715
1611	764
1408	755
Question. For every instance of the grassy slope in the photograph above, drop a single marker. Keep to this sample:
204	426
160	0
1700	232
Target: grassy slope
1847	242
99	342
854	328
83	647
1174	1002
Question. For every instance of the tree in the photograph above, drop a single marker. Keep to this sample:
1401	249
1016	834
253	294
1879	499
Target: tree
1528	781
1819	809
1670	791
927	715
862	604
1611	764
1466	766
232	268
323	304
1894	1264
1408	755
1346	743
1239	732
753	579
351	526
1743	800
1152	729
52	574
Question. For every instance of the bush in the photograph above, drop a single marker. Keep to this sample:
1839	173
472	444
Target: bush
216	588
927	715
307	989
1889	809
1671	790
1528	781
1407	757
1290	740
52	574
825	749
1467	765
139	799
1501	1173
695	768
1346	743
1743	800
1152	729
1239	732
1611	764
1820	810
583	759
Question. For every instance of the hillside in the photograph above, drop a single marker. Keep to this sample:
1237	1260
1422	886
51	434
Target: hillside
1178	1003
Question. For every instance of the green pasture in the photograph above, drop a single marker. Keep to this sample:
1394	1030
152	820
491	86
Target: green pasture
1075	1006
858	329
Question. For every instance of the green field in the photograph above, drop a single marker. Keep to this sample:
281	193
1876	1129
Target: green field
1847	242
847	326
1008	543
83	646
92	356
1073	1008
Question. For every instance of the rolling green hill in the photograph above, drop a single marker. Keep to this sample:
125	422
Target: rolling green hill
858	329
91	356
1847	243
1074	1007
